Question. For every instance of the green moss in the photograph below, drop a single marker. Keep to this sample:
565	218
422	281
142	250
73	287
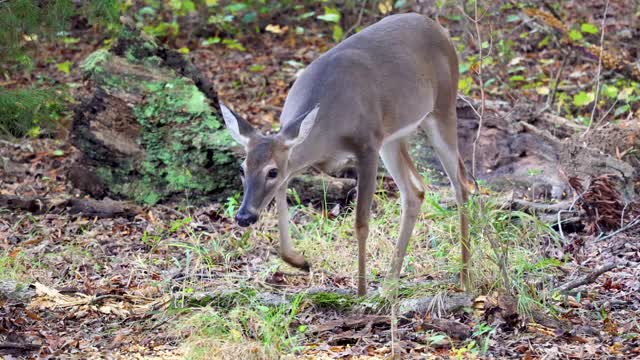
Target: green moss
183	141
187	149
332	300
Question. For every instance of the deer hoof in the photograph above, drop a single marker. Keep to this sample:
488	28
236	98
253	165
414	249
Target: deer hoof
297	261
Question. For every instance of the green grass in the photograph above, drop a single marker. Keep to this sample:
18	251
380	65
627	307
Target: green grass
249	328
250	331
13	266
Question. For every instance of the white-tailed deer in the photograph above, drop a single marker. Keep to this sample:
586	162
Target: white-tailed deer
360	100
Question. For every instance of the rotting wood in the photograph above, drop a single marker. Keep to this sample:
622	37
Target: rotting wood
344	324
437	305
105	208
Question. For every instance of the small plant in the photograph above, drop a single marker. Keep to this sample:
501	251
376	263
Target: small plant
482	335
231	205
12	265
249	331
28	111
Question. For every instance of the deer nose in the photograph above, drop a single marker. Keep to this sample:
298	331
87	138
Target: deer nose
245	219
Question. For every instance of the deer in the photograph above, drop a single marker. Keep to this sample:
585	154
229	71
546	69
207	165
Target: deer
355	104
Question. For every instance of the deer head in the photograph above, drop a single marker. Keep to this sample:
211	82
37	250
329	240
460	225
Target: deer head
265	168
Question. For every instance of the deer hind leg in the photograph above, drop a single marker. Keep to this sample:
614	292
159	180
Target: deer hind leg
444	139
367	168
287	252
398	162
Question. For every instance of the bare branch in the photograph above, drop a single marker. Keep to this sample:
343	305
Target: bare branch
595	102
587	279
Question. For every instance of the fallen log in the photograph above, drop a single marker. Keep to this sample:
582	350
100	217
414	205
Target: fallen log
105	208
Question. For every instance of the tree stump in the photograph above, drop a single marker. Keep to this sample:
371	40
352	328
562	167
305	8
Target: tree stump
150	129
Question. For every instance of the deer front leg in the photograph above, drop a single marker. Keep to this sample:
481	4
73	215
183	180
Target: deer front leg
367	171
287	251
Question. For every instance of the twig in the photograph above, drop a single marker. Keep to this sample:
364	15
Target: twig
629	225
100	298
566	210
358	21
476	22
530	205
552	97
178	213
11	346
595	102
587	279
551	10
601	120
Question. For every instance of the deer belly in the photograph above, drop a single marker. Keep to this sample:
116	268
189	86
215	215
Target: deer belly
336	163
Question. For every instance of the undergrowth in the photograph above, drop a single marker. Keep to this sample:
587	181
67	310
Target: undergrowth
29	111
229	326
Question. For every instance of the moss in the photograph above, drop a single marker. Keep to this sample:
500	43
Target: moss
332	300
186	148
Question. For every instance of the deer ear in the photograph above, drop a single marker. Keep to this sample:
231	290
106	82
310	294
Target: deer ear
239	128
297	131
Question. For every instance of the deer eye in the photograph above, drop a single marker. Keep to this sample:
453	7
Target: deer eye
272	174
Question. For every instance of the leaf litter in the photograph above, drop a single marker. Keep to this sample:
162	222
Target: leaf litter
106	286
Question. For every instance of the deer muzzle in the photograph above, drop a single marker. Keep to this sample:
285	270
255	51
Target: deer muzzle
245	218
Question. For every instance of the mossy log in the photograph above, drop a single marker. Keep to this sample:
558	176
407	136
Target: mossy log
150	129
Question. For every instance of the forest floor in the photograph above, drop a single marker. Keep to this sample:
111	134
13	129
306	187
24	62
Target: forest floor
182	280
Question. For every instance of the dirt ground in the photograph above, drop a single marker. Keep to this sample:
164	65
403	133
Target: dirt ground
82	287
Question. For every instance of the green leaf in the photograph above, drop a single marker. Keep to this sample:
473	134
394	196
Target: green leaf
337	33
575	35
464	67
34	132
235	8
256	68
306	15
330	15
249	17
183	50
589	28
610	91
65	67
583	98
400	4
513	18
621	110
233	44
516	78
70	40
211	40
464	84
188	6
58	152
